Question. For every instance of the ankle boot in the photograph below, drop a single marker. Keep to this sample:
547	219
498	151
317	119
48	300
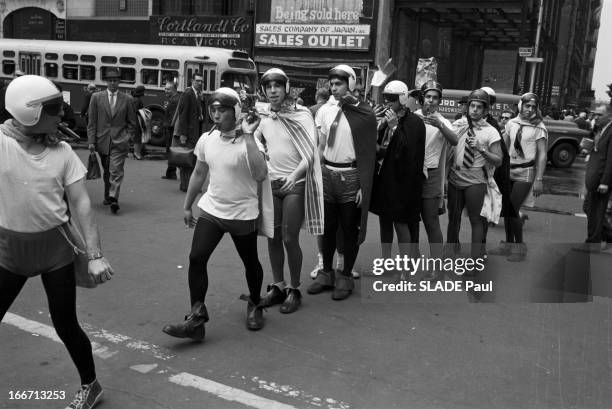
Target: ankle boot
193	326
254	320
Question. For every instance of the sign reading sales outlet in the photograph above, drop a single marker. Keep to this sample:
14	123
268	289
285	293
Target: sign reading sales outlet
328	36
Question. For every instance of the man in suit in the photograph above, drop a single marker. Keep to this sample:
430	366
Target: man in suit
187	128
112	122
597	179
170	105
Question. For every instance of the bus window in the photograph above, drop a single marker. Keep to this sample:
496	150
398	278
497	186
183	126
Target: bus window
8	67
50	70
8	53
237	81
212	80
88	72
88	58
170	64
107	59
51	56
71	57
169	76
127	60
149	77
70	71
152	62
128	75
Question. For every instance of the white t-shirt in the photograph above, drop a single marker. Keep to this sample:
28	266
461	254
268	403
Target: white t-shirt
284	156
343	150
232	191
434	141
32	186
530	134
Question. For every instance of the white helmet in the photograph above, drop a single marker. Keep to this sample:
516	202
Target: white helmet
26	95
227	97
346	72
398	88
275	74
491	92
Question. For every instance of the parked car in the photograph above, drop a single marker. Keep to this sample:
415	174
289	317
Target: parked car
564	137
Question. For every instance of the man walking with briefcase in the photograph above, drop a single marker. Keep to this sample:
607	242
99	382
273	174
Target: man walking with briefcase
187	130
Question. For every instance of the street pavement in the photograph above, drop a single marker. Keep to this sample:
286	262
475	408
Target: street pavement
519	347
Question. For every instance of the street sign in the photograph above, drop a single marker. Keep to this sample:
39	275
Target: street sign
534	59
525	51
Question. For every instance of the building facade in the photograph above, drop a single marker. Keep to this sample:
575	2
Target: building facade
475	43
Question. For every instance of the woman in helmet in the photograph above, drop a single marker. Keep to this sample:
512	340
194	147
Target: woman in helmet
439	132
526	140
475	158
235	162
396	195
290	138
33	161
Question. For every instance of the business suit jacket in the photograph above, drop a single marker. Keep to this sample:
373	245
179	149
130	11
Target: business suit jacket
599	166
189	117
104	128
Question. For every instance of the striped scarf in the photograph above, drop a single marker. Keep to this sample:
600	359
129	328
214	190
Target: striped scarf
299	124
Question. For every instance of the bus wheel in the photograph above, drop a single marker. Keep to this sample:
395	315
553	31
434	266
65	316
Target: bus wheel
158	137
563	155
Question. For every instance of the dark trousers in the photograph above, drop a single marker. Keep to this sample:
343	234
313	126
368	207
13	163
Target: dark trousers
206	237
171	170
60	288
595	208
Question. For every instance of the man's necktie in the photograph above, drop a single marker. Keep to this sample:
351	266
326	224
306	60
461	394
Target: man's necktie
468	152
334	126
517	142
112	103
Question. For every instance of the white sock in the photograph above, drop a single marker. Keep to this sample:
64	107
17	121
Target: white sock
340	261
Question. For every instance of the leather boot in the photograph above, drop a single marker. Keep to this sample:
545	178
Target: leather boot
193	326
274	296
343	287
324	281
254	320
292	302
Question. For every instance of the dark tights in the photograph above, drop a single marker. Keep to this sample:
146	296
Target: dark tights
60	288
514	225
471	198
386	236
206	237
347	215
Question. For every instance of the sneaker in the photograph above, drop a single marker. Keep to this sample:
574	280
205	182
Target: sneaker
87	397
315	271
355	274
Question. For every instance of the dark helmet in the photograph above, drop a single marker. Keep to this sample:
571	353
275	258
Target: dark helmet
479	95
431	86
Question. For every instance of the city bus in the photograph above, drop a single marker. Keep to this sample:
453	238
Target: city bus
75	64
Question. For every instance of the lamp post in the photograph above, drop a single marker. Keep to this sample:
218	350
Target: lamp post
536	48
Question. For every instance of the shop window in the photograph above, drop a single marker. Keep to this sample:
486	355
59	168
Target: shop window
151	62
107	59
169	76
8	53
149	77
128	75
51	56
71	57
88	58
8	67
171	64
127	60
88	72
70	72
51	70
